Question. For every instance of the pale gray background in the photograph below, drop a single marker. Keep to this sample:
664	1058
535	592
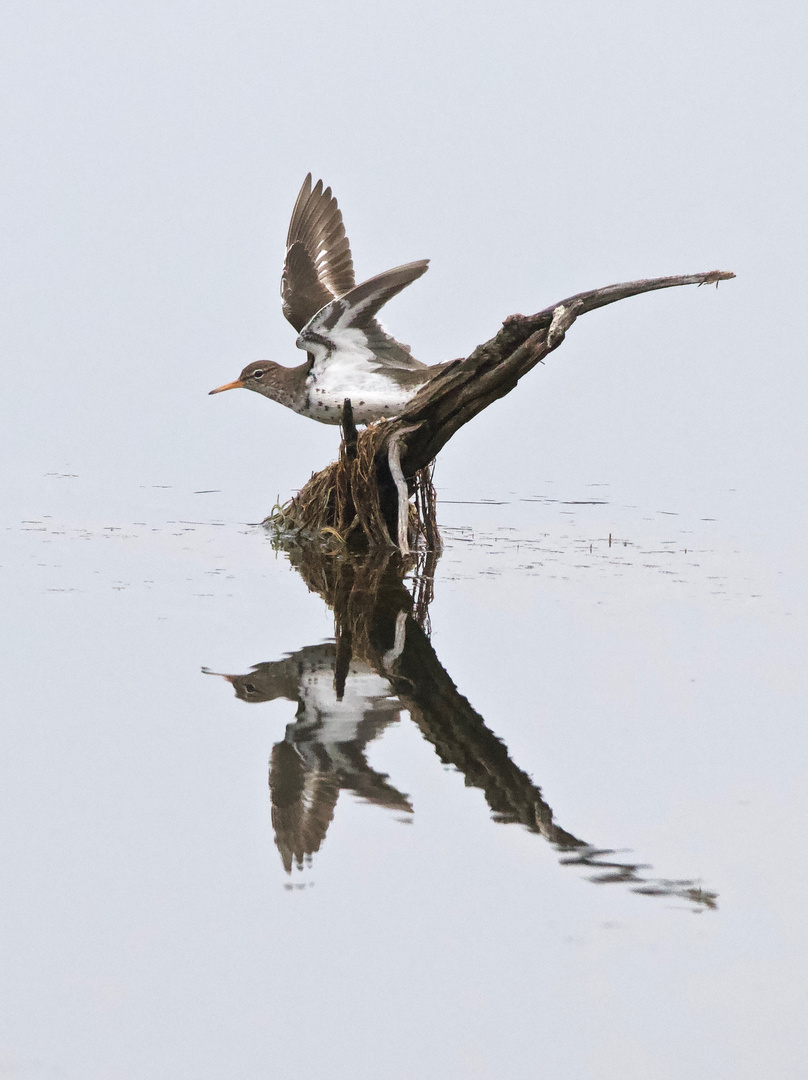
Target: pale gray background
532	150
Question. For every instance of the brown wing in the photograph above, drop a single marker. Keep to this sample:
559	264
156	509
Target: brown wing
318	265
357	310
303	804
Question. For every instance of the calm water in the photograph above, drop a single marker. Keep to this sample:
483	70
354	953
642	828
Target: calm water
547	824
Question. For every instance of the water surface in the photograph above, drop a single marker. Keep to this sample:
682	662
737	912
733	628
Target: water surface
546	824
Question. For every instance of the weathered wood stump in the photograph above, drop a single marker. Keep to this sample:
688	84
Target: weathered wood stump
363	500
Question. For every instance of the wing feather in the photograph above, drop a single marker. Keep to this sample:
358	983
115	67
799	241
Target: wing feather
356	310
318	265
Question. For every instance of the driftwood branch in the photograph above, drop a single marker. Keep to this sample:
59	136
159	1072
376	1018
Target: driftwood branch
494	368
402	489
363	499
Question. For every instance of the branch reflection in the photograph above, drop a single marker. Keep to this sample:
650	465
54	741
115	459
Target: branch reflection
348	691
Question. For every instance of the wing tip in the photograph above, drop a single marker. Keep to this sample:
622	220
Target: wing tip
416	268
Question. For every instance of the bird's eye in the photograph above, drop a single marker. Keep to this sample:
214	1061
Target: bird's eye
259	374
249	688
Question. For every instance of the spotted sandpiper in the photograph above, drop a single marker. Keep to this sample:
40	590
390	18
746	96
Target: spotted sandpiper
349	355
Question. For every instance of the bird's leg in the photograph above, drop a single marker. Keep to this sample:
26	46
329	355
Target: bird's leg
349	432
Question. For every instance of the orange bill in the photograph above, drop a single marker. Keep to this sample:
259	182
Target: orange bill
228	386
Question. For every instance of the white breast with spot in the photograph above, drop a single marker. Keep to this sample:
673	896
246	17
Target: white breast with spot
350	369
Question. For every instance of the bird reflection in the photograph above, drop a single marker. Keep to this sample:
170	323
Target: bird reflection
323	751
348	691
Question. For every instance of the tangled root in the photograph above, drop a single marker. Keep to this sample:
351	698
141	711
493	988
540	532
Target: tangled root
360	589
340	506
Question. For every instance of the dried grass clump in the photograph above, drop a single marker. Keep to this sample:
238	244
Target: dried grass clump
360	588
340	506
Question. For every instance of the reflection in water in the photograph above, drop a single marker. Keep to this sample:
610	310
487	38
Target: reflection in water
324	749
348	691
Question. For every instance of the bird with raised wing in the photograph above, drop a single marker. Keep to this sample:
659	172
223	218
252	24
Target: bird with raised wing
349	355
